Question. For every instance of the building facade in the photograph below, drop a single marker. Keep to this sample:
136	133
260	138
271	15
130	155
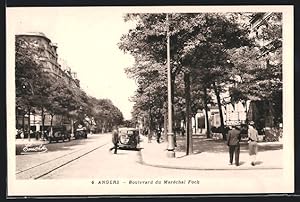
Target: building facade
48	57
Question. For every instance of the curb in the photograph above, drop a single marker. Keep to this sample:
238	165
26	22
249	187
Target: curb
143	162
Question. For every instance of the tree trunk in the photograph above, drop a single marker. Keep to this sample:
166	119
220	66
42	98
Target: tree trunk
206	113
43	121
51	123
189	142
23	124
72	127
166	125
173	76
220	111
194	128
29	109
184	125
150	125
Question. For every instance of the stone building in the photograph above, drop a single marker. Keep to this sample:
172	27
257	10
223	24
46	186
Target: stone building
48	57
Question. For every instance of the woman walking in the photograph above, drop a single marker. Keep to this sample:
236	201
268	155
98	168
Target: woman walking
252	140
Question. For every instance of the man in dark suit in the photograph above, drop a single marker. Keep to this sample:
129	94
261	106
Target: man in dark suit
233	142
115	139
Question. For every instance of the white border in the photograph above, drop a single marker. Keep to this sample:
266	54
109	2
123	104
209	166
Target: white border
75	187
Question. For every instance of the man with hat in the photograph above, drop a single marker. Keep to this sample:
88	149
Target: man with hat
233	142
252	140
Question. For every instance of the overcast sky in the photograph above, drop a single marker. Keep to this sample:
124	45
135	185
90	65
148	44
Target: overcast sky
87	40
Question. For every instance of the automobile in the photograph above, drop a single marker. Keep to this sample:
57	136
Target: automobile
59	133
129	138
80	132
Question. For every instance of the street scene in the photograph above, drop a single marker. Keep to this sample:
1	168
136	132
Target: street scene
192	100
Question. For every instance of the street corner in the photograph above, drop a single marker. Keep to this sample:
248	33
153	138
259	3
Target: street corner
208	161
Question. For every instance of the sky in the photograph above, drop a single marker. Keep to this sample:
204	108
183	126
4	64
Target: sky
87	40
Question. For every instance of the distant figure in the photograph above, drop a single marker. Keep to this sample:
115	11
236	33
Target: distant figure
233	142
252	141
115	139
182	131
148	134
158	135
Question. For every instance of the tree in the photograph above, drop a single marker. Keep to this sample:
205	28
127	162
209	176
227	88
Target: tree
189	35
206	53
105	113
28	74
260	67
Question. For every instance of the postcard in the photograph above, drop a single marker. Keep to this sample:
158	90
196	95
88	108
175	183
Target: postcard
153	100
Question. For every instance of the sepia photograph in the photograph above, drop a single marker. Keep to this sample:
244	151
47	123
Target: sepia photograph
160	100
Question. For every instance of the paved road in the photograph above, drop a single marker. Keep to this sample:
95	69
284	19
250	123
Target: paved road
31	165
96	163
102	164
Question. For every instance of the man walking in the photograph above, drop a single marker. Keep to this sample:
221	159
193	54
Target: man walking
233	142
115	139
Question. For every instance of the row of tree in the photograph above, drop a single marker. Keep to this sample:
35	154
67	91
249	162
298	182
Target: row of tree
39	90
209	53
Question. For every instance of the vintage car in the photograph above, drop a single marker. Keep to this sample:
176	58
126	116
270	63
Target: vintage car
129	138
58	133
80	132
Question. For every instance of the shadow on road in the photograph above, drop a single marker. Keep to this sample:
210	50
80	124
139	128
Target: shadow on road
128	149
219	146
66	145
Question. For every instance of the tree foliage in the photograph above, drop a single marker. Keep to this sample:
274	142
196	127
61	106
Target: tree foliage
199	45
260	67
40	90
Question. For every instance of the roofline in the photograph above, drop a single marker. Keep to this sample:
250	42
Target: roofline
38	34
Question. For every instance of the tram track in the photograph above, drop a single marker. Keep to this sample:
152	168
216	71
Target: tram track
43	169
21	171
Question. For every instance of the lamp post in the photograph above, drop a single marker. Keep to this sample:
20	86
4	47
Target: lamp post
171	143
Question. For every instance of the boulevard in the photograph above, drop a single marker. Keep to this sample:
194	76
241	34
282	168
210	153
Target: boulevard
162	102
101	166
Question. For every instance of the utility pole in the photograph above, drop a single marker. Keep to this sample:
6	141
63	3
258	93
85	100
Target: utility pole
171	144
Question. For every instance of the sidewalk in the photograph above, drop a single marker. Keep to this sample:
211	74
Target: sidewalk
209	154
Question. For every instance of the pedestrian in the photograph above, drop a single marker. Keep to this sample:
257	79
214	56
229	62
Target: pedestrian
233	142
158	135
148	134
115	139
252	142
182	131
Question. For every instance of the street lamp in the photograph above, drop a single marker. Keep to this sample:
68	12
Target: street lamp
171	143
